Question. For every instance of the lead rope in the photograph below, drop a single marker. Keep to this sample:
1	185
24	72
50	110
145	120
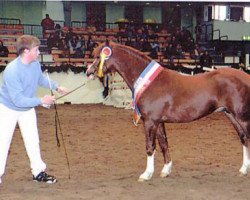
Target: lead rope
58	124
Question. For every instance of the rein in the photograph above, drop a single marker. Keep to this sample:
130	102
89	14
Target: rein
58	124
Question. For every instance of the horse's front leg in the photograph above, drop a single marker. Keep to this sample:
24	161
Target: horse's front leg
163	142
150	129
246	159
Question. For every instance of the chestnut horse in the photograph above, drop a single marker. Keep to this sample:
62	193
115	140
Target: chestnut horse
172	97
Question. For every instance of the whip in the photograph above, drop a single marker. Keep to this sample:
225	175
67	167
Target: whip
71	91
58	124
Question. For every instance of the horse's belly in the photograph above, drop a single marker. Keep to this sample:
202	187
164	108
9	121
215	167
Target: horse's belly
187	114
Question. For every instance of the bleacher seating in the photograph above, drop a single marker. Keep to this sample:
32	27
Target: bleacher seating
11	29
10	32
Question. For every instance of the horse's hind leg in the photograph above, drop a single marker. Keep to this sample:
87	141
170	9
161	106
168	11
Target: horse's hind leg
246	160
163	142
242	129
150	128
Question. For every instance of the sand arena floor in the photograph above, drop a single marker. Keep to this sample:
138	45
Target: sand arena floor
107	154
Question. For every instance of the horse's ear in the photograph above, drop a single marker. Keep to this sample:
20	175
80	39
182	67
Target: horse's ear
107	42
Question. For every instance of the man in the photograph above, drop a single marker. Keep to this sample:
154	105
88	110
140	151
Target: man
21	79
206	60
47	23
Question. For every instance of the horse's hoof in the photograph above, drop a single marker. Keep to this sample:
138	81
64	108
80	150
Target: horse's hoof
164	175
165	172
244	169
242	175
146	176
142	180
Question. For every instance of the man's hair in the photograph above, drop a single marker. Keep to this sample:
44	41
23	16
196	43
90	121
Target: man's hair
26	42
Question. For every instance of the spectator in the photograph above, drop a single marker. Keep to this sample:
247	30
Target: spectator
47	23
179	52
65	49
174	41
91	44
4	52
53	41
206	60
130	30
198	33
145	45
196	53
187	43
170	52
76	47
155	48
69	35
58	30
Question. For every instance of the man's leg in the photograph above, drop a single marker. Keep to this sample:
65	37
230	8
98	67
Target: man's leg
28	126
8	120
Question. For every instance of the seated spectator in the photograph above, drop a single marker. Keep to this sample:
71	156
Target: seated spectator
77	46
4	52
130	30
58	30
155	48
151	34
196	52
174	41
179	52
47	23
170	52
91	44
145	45
206	60
65	49
69	35
198	33
53	41
145	33
188	45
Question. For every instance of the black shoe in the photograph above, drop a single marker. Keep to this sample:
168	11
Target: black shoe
44	177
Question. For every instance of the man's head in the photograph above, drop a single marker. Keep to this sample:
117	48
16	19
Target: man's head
27	42
28	47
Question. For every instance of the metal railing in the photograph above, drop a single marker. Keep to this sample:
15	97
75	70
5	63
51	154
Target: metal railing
31	29
9	21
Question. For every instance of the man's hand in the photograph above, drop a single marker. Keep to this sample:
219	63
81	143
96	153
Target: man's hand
48	100
62	90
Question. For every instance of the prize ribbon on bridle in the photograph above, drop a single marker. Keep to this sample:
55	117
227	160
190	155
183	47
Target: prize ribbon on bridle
105	54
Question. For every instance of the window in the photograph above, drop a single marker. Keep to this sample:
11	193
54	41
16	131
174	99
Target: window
220	12
247	14
236	13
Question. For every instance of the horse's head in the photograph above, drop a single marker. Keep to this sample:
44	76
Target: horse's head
112	57
101	55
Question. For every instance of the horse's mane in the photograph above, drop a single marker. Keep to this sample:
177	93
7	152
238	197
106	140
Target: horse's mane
130	50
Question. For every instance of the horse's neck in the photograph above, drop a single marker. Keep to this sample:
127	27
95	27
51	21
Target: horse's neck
130	74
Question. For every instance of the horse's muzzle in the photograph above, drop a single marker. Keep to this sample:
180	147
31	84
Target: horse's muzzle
91	71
